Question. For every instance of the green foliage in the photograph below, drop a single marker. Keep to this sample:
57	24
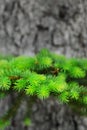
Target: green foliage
45	75
5	83
27	122
4	124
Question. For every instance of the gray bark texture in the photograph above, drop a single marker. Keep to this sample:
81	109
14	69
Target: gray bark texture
26	26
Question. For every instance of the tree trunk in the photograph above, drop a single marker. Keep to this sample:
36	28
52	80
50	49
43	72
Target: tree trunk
26	26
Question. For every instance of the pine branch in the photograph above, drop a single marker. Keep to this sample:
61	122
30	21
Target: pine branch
44	75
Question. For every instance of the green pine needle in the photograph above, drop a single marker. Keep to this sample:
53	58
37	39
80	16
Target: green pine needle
43	75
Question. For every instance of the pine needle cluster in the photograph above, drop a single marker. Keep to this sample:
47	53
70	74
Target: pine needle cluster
44	75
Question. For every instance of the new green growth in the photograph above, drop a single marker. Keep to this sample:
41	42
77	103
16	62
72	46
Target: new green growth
41	76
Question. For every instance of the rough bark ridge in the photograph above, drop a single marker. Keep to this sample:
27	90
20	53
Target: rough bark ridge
26	26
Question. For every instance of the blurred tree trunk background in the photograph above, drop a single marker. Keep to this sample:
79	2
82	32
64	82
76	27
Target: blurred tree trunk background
26	26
